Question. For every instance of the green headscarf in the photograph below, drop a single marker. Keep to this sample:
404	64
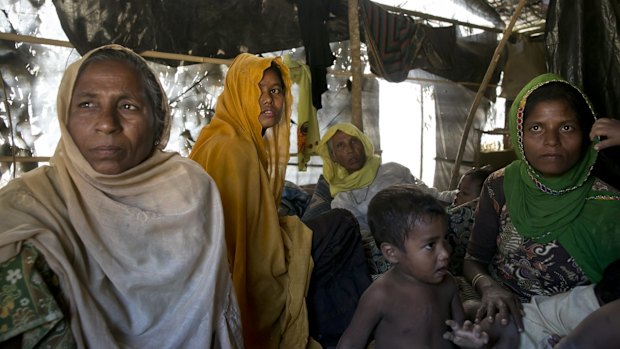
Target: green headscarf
569	208
337	176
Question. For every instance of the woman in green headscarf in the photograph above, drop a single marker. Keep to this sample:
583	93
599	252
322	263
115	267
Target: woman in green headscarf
544	223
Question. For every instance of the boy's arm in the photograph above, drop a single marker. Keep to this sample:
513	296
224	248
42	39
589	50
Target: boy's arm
469	335
456	306
366	317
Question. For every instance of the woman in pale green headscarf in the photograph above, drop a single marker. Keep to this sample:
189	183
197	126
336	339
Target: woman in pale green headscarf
544	223
340	178
355	174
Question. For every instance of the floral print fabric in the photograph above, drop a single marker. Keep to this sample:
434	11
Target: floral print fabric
28	305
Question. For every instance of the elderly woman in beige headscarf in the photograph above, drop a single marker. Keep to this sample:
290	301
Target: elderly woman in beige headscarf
117	243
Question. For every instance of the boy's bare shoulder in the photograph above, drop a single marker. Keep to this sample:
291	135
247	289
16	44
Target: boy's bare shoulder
381	288
390	283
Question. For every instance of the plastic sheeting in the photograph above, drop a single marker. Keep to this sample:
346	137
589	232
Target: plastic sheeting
222	29
583	46
207	28
32	73
582	43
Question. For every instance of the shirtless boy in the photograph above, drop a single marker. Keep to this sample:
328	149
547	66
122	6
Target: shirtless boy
408	306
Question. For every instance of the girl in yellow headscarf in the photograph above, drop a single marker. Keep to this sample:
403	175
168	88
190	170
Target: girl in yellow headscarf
245	149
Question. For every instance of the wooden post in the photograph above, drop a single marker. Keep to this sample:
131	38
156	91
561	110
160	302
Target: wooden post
5	102
356	65
151	54
483	86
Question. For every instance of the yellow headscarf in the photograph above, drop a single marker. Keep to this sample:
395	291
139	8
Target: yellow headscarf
308	135
337	176
269	255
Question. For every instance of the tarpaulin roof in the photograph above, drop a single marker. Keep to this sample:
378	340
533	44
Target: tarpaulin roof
582	45
577	39
223	29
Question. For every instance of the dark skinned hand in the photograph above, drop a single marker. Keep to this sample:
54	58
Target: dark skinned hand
468	335
496	300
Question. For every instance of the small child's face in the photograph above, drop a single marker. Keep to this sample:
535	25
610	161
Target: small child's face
468	190
427	252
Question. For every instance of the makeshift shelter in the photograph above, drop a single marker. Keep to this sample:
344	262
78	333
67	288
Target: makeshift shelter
421	70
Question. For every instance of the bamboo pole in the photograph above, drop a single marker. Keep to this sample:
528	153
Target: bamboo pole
16	159
34	40
187	58
5	102
356	66
485	81
151	54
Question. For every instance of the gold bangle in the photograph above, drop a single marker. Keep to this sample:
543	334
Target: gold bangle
477	278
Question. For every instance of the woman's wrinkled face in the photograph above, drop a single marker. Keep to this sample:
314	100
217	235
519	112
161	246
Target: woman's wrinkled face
348	151
552	138
271	99
110	119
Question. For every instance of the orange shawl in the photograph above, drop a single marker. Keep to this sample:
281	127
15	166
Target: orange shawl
269	255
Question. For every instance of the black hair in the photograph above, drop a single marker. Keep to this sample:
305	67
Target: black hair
479	174
608	289
562	91
394	212
276	69
154	94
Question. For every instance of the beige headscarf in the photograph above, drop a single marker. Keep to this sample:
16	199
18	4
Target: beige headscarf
269	255
140	255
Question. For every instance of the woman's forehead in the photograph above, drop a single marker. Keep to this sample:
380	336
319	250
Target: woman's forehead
342	136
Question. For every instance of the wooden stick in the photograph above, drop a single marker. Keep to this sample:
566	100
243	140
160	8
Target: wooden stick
51	42
151	54
34	40
14	159
356	66
485	81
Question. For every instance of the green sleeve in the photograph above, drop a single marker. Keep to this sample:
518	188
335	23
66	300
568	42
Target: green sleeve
29	303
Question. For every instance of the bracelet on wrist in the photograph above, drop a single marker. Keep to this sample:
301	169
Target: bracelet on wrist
477	278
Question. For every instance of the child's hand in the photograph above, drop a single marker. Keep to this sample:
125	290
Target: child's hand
469	335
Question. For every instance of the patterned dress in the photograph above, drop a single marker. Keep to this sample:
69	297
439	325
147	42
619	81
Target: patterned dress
526	267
